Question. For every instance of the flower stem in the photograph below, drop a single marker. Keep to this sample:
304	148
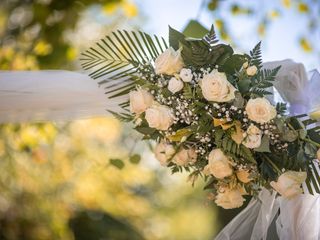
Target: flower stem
312	142
272	164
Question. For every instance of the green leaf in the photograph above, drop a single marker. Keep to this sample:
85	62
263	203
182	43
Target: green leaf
238	101
175	37
234	63
264	146
118	163
244	85
290	135
187	91
194	29
135	159
145	130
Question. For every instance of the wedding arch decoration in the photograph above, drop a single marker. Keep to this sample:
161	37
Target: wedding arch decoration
207	108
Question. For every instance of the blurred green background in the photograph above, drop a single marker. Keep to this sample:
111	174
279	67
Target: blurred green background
75	180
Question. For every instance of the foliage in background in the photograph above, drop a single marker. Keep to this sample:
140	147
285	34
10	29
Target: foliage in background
266	13
35	31
50	172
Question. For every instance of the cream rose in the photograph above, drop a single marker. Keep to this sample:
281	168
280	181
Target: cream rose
245	65
218	165
253	137
243	176
185	157
260	110
159	117
186	75
252	70
229	198
216	87
169	62
289	183
163	152
175	85
140	100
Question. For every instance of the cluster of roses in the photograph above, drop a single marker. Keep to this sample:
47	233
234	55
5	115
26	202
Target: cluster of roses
258	116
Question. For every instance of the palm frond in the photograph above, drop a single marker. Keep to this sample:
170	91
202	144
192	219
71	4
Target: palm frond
114	60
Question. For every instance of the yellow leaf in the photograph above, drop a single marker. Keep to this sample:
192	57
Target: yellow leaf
306	45
130	9
237	136
223	123
274	14
42	48
303	8
286	3
261	29
110	8
71	53
315	115
179	135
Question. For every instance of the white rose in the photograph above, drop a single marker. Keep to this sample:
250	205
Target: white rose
186	74
185	157
318	154
289	183
243	175
252	70
140	100
229	198
219	164
163	152
253	138
159	117
175	85
245	64
169	62
216	87
260	110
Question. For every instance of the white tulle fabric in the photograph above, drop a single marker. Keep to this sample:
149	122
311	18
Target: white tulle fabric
50	96
271	217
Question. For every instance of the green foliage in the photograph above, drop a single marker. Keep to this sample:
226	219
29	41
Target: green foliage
93	224
115	59
123	117
256	57
265	145
118	163
210	38
194	29
281	108
263	79
135	158
200	52
234	63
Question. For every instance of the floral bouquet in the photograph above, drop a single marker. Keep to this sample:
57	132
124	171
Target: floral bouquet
208	111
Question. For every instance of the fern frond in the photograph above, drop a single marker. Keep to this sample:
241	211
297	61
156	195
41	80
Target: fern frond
210	38
256	58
